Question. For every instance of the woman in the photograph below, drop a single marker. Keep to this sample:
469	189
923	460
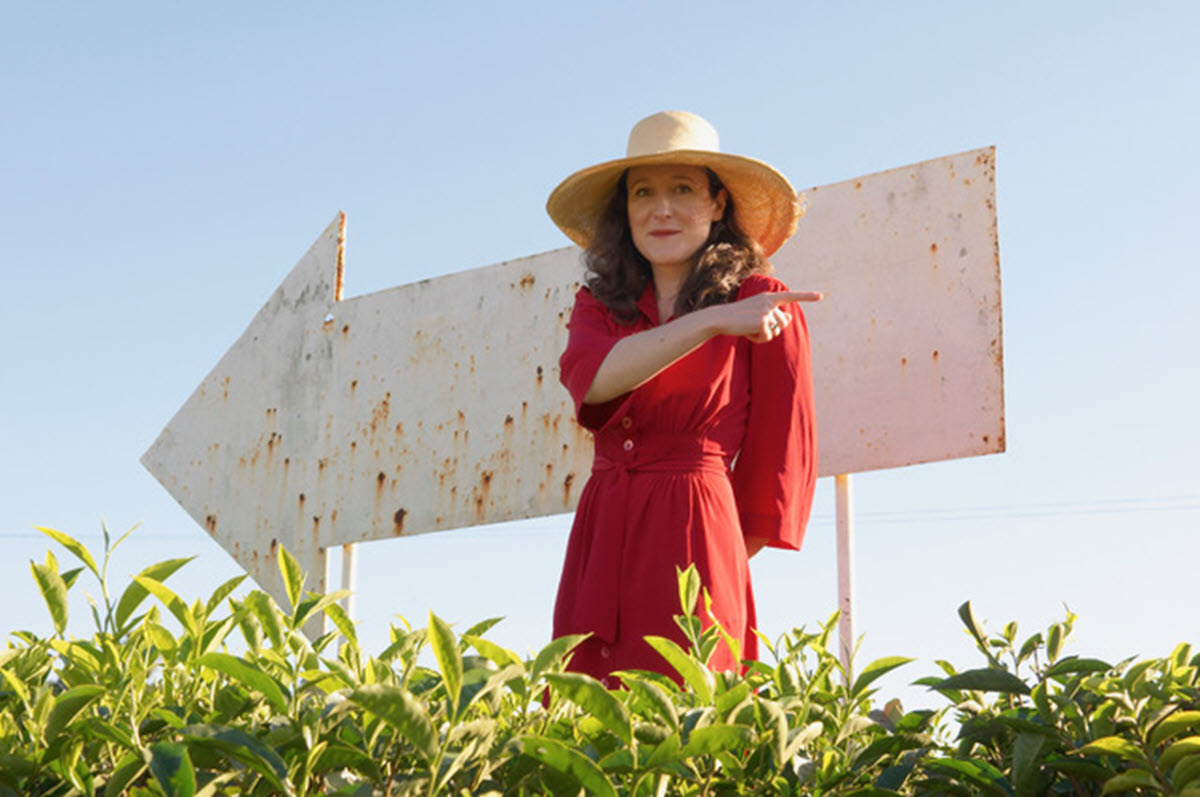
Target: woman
690	365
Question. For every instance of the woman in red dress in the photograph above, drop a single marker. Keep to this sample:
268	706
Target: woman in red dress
690	365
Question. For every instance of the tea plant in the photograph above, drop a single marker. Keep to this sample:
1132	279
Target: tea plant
155	703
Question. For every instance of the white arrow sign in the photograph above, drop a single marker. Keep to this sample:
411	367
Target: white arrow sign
436	405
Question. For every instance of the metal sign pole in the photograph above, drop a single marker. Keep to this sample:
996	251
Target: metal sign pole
845	555
349	576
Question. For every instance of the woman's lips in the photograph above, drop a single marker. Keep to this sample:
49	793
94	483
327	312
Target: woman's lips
663	233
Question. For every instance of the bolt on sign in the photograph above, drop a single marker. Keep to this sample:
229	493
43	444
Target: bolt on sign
436	405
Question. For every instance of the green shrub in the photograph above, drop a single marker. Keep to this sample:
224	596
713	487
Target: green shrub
142	709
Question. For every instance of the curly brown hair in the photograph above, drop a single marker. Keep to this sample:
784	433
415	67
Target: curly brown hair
617	273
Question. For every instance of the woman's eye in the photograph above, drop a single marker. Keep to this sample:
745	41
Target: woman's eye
683	188
641	192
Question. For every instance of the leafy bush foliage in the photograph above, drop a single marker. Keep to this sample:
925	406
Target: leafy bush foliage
141	709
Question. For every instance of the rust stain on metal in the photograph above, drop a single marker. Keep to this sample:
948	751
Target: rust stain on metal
398	520
527	280
210	523
340	259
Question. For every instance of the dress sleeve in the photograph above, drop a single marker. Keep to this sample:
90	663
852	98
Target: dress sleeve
776	469
592	335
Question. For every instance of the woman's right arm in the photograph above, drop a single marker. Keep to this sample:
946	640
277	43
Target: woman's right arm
638	358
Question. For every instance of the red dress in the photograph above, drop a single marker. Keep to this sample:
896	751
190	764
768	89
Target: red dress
719	445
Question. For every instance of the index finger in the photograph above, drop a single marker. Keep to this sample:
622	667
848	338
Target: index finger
787	297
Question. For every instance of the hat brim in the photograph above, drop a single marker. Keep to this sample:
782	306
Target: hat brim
765	204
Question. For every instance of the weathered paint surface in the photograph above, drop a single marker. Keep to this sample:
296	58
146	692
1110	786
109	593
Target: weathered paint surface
907	349
437	405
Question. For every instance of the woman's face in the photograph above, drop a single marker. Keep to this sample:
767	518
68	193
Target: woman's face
671	212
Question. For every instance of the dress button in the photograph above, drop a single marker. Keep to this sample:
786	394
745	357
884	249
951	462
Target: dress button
626	422
628	445
606	651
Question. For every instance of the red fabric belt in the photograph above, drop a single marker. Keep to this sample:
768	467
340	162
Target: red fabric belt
622	455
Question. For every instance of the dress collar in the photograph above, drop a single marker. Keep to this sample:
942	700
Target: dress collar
648	304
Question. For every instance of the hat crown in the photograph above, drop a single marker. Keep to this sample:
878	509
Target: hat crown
670	131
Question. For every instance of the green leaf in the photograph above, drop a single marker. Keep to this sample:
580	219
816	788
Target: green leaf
876	669
15	683
1186	771
74	546
54	593
342	621
665	752
315	604
481	628
125	772
694	674
445	649
1128	781
588	693
1181	748
1081	768
173	602
500	656
717	739
1112	745
249	676
554	653
776	722
267	611
237	745
654	695
1172	725
221	593
967	615
1030	645
689	588
403	712
67	707
1072	665
135	593
571	763
1054	641
1026	754
172	768
340	756
985	680
799	738
293	577
160	637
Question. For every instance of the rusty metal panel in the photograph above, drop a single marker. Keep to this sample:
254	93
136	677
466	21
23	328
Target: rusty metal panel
907	350
436	405
431	406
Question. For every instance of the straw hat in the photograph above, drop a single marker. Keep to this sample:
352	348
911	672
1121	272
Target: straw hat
765	203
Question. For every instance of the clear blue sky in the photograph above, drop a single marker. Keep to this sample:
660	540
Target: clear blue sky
162	167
